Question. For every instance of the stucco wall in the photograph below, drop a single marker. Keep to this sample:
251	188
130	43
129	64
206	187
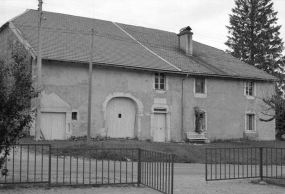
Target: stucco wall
226	106
225	103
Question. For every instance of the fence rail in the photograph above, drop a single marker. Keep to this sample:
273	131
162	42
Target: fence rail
244	162
94	166
157	170
27	164
40	163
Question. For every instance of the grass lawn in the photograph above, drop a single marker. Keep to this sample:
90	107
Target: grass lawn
184	152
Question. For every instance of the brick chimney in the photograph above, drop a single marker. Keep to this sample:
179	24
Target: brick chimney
185	40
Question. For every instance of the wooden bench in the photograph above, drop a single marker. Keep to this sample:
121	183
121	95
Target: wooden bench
192	136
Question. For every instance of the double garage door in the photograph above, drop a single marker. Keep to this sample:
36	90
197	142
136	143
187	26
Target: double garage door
53	125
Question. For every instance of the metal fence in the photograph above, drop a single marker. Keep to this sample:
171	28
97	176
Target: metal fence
244	162
27	164
94	166
39	163
157	170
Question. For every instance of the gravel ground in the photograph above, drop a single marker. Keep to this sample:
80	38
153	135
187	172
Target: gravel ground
183	184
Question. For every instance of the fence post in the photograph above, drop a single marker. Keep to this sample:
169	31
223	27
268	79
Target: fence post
206	166
139	167
172	173
261	163
49	168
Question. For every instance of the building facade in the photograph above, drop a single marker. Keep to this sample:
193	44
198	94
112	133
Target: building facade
147	84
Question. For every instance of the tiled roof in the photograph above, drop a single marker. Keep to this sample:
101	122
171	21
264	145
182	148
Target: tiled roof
67	38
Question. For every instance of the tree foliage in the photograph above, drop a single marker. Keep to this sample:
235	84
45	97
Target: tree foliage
254	35
16	92
199	114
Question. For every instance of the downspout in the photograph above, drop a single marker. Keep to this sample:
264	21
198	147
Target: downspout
182	108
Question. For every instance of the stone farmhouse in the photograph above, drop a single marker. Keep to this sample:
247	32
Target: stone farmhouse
147	83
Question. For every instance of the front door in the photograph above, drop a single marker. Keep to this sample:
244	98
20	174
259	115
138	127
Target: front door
121	114
159	128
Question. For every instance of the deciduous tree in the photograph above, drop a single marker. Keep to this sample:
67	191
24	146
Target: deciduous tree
16	92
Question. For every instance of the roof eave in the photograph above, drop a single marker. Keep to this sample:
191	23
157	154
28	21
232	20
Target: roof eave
166	71
20	37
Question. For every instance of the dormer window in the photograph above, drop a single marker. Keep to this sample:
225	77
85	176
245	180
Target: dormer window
159	81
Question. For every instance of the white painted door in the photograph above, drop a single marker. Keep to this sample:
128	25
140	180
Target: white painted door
53	125
121	114
159	128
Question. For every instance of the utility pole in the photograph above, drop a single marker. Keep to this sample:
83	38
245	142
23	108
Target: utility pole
39	73
90	88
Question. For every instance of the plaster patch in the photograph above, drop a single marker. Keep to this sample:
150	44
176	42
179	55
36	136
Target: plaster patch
159	100
53	101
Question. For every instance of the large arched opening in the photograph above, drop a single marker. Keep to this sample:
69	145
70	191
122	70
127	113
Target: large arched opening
122	114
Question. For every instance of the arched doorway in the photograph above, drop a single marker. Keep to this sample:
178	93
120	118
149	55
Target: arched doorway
121	114
119	106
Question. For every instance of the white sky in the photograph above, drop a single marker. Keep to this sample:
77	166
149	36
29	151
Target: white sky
207	18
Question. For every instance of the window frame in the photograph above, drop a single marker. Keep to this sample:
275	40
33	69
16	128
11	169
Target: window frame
77	116
248	115
200	95
248	87
158	83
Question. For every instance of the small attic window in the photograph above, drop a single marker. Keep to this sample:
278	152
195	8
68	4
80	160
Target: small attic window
74	116
160	110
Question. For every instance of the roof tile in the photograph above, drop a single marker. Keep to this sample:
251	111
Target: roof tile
67	38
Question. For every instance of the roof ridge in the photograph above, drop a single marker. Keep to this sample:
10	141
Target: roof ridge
146	47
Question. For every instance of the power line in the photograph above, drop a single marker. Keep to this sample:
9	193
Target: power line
218	40
88	11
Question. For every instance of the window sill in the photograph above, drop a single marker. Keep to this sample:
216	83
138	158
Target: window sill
250	97
247	131
160	91
200	95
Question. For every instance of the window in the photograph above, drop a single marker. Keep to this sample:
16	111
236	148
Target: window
74	115
250	122
200	85
159	81
160	109
249	88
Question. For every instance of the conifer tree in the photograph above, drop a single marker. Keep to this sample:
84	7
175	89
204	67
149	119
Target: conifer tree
254	35
254	39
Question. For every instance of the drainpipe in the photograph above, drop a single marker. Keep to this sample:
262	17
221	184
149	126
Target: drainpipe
182	108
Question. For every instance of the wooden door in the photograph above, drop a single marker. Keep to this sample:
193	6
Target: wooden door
53	125
159	127
121	114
